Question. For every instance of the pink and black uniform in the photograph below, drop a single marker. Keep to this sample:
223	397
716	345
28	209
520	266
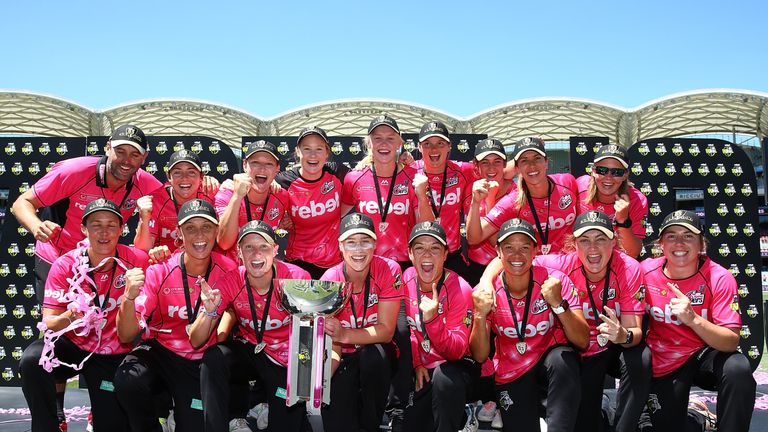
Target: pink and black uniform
315	210
70	186
367	193
162	225
555	214
638	205
485	252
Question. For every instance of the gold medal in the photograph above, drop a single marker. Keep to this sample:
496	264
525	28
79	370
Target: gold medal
521	347
545	249
425	345
259	347
383	226
602	340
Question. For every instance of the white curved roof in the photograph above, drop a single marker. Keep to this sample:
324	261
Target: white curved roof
554	119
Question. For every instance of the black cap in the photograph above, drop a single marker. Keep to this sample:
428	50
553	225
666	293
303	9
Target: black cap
487	147
593	220
309	130
197	208
432	229
515	226
101	204
683	218
528	143
434	128
260	146
383	120
257	227
612	151
356	223
131	135
185	155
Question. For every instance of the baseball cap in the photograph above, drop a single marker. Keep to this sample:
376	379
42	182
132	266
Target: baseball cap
131	135
515	226
101	204
383	120
487	147
257	227
612	151
185	156
260	146
432	229
356	223
309	130
593	220
197	208
528	143
434	128
683	218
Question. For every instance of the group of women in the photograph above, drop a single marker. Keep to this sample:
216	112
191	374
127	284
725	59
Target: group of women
558	301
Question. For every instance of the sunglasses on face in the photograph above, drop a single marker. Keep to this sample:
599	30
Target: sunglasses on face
615	172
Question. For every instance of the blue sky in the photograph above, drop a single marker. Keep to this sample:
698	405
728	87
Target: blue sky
459	57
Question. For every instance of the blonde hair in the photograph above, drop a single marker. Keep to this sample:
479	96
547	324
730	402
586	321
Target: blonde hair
367	160
591	195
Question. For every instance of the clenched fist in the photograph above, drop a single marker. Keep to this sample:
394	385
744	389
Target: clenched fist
551	290
134	280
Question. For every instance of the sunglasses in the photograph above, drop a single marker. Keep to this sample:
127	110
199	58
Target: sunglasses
615	172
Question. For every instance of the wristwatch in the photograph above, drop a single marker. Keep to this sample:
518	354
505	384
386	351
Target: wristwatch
629	337
626	224
562	307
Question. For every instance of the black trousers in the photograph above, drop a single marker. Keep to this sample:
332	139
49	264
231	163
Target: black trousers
42	268
235	362
402	381
149	370
359	389
633	368
40	391
556	375
439	405
728	373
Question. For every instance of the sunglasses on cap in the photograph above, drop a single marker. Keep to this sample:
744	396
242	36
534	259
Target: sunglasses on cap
615	172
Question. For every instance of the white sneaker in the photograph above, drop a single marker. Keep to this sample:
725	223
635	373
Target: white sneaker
260	413
169	425
486	411
239	425
496	423
472	423
542	425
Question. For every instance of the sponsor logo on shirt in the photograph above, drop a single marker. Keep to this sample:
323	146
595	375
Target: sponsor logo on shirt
400	189
451	197
665	315
273	213
539	306
398	208
361	321
565	201
326	187
270	324
452	181
315	209
531	330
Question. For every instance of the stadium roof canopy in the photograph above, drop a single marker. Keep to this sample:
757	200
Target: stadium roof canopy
554	119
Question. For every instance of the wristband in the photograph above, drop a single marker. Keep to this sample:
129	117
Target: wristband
213	314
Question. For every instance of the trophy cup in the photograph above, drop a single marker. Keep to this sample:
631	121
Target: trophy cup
309	360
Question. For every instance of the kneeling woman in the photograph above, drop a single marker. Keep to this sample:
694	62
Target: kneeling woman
439	310
171	296
89	342
259	350
362	331
533	311
694	330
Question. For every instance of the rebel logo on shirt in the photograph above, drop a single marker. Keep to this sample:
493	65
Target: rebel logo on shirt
371	207
666	316
314	209
565	201
450	197
326	187
540	328
539	306
270	324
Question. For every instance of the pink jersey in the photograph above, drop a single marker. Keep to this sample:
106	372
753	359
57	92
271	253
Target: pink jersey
386	281
315	210
448	331
166	305
360	192
638	205
57	285
625	289
712	291
70	186
542	331
558	217
458	191
278	321
484	252
162	225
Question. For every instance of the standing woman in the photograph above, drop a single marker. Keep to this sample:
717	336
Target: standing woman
362	331
693	330
490	163
548	202
534	312
607	189
447	185
98	270
175	296
314	190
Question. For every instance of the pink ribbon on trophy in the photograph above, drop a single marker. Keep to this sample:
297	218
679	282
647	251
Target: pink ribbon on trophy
80	302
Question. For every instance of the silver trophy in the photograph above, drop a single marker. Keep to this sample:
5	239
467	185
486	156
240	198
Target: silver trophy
309	359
